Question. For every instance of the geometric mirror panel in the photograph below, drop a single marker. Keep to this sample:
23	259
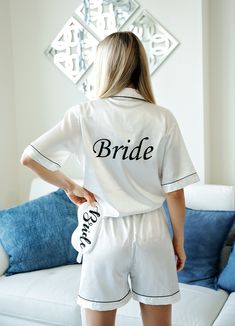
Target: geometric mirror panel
105	17
73	50
157	41
86	85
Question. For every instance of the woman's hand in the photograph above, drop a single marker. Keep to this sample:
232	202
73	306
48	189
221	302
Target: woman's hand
180	254
76	193
79	195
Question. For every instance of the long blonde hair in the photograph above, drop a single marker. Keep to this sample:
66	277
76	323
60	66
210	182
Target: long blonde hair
121	60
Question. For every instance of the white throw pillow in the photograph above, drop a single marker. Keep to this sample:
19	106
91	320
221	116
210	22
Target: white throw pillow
4	260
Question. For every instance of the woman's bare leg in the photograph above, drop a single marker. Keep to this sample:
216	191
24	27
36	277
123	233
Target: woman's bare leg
100	318
156	315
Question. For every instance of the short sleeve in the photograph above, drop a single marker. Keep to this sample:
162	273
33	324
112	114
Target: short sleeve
177	169
54	147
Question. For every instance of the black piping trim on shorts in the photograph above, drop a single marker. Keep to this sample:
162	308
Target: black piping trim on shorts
45	156
164	184
106	301
136	98
155	296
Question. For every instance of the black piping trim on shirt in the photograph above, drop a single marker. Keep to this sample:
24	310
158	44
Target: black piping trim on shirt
155	296
44	155
136	98
106	301
164	184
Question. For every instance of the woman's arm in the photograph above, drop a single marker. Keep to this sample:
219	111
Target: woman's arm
176	206
76	193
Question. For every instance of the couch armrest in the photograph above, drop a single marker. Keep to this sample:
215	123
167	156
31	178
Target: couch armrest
210	196
4	260
39	187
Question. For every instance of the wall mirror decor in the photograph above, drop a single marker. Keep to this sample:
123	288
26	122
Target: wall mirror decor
73	49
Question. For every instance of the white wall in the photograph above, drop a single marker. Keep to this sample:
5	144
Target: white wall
222	91
206	85
8	172
42	93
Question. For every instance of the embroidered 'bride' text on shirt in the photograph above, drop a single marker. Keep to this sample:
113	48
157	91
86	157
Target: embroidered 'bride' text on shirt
103	148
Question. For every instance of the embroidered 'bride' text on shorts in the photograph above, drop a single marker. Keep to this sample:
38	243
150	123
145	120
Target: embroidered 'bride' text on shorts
133	257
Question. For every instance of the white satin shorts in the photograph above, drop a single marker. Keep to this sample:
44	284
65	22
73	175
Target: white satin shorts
133	257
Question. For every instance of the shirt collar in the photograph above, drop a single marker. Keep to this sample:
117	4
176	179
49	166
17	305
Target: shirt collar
129	93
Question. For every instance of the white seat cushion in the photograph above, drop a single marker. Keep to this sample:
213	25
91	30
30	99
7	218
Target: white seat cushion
227	315
199	306
47	296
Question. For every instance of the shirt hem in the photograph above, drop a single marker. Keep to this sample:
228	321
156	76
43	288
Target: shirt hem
41	159
136	212
176	185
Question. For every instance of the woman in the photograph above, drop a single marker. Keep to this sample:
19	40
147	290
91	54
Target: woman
134	157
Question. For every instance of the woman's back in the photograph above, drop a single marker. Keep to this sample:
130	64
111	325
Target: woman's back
131	151
125	139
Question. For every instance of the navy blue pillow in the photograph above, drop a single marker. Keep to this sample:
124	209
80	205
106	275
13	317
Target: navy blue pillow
37	234
226	278
205	234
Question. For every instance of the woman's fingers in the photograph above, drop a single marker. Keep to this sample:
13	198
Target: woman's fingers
81	195
89	197
180	265
76	200
181	256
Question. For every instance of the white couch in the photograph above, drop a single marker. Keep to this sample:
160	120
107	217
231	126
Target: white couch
48	297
